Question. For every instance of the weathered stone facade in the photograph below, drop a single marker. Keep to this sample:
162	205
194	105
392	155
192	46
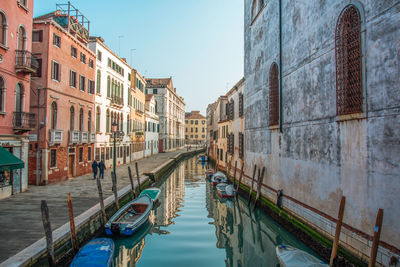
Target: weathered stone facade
314	155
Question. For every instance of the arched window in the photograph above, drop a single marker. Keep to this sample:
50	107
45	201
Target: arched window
122	122
112	88
2	93
3	29
348	62
21	38
53	115
119	90
19	98
98	82
72	118
98	119
117	121
89	123
108	86
273	95
108	121
127	124
81	119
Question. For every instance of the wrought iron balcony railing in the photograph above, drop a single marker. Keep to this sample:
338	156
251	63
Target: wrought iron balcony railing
25	62
117	100
24	121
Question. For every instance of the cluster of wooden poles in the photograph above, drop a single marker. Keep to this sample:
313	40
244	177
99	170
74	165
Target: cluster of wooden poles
339	221
46	216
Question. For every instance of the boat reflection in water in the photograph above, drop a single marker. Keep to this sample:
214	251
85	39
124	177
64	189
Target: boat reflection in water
192	226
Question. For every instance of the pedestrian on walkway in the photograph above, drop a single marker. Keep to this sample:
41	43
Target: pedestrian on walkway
102	167
94	168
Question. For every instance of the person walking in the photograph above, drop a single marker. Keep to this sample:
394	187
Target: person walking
94	169
102	167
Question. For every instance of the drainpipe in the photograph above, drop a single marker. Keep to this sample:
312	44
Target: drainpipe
280	66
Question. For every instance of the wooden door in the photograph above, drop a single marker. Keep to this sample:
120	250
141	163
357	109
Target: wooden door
70	165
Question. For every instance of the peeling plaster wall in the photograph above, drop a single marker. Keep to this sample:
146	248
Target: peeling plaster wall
318	158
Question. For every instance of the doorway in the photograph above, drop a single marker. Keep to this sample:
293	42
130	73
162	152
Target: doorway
71	160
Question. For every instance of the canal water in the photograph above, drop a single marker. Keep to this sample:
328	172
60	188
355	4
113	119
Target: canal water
192	226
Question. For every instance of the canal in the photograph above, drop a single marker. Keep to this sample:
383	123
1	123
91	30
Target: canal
192	226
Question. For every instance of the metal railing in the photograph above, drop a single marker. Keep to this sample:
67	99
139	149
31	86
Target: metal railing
117	100
24	120
24	59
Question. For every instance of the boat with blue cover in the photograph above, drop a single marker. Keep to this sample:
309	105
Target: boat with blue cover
130	217
97	252
152	192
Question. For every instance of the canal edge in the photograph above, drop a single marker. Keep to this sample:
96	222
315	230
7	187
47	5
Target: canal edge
88	223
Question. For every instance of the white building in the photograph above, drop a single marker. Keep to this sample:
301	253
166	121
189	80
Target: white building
152	127
113	82
171	112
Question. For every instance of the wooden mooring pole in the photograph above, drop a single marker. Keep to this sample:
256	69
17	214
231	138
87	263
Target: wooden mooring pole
103	211
240	178
131	180
375	240
48	232
137	176
252	183
259	183
72	223
114	180
338	229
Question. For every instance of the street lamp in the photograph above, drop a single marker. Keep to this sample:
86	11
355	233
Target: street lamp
114	129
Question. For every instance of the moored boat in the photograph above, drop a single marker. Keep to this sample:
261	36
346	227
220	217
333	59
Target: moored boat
225	190
218	177
97	252
289	256
152	192
130	217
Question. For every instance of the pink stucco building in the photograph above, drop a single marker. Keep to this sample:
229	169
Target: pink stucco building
16	67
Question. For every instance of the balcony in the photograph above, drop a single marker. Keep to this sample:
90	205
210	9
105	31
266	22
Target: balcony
139	133
56	136
73	137
139	112
117	101
24	62
24	122
84	137
92	138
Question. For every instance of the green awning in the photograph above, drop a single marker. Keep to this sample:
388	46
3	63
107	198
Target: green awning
8	161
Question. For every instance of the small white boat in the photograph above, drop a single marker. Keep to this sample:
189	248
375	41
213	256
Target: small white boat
218	177
289	256
225	190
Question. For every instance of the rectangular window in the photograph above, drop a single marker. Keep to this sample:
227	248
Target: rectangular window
97	154
37	36
241	145
91	87
102	154
83	58
82	83
109	62
107	153
74	51
55	71
56	40
53	158
80	154
240	105
89	154
38	72
99	55
72	79
91	63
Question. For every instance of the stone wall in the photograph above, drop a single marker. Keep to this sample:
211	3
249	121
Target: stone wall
320	157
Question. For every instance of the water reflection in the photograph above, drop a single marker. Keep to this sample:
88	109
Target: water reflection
192	226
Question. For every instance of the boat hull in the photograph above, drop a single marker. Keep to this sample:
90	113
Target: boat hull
289	256
97	252
130	217
152	192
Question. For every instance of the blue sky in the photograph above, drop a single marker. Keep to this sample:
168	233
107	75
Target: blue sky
197	42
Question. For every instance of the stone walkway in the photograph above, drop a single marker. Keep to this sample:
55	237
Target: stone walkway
20	215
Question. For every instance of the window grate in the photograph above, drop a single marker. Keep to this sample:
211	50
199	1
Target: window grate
348	62
273	95
241	145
